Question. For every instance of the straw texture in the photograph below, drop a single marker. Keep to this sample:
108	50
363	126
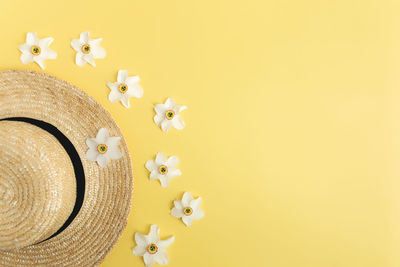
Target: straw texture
37	185
108	191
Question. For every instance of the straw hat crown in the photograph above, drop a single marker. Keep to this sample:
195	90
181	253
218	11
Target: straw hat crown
37	185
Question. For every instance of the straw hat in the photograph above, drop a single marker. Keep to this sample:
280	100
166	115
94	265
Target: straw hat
57	208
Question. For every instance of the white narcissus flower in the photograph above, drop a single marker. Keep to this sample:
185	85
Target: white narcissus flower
103	148
151	248
124	88
87	49
168	115
188	209
36	50
163	168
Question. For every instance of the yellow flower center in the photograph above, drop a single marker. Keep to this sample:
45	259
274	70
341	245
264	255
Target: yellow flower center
187	211
170	114
123	88
152	249
163	169
102	148
35	50
85	49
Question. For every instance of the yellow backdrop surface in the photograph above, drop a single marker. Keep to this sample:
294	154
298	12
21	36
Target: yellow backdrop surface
293	121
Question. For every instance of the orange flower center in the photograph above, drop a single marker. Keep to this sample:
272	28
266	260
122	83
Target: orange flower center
86	49
35	50
123	88
163	169
170	114
187	211
152	248
102	148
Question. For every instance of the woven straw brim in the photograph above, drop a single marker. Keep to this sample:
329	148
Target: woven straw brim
108	191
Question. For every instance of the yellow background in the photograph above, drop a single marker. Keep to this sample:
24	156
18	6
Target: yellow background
293	121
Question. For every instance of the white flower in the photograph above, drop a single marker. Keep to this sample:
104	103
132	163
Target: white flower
151	248
103	148
124	88
168	115
163	168
188	209
87	49
36	49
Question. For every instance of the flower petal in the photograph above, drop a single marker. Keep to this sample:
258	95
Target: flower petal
198	215
114	96
162	258
139	251
113	141
158	119
25	48
187	220
135	91
165	125
172	173
155	175
161	109
89	59
97	50
91	143
195	203
151	165
40	61
161	159
113	86
92	154
79	60
133	80
49	54
141	239
164	180
187	197
178	213
154	234
125	101
84	37
173	161
45	42
178	122
122	76
178	109
95	42
149	259
178	204
170	103
76	44
26	58
31	38
102	160
102	136
114	153
163	244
